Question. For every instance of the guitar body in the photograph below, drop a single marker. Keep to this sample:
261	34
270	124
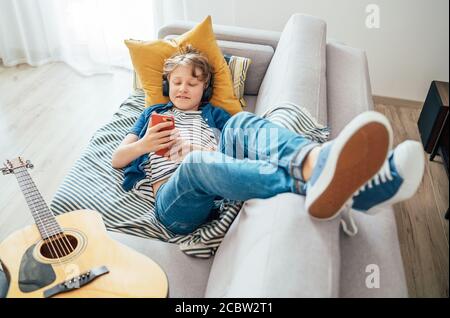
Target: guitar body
31	270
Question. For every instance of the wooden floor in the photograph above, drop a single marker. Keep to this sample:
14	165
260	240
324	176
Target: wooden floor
47	114
422	228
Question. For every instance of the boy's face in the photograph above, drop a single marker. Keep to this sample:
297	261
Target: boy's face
185	90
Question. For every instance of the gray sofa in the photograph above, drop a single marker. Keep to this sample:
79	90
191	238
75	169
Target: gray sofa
273	248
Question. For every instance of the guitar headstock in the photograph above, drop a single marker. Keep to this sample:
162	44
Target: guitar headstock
11	165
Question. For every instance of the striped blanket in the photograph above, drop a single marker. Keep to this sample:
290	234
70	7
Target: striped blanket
93	184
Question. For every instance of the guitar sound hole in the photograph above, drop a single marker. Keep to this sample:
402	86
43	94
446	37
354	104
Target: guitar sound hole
58	246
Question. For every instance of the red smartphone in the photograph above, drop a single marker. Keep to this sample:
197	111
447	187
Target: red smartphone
158	118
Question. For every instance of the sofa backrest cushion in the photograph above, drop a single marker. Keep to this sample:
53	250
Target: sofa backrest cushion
261	55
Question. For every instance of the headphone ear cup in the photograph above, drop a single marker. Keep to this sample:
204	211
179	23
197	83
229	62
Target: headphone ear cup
208	92
165	87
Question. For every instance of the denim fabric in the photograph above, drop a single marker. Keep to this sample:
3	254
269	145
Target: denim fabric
320	164
255	161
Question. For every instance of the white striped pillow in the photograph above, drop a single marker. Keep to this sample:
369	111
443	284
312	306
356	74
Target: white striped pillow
238	66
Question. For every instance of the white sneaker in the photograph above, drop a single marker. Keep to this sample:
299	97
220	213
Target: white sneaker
397	180
345	164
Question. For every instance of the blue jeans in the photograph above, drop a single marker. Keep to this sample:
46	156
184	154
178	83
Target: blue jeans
255	159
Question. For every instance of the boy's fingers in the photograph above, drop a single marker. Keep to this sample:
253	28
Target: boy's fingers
172	153
175	132
164	140
164	145
166	133
159	126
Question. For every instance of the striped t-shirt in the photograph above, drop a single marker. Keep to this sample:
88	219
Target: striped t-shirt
192	128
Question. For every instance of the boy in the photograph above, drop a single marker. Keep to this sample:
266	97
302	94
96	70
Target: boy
199	167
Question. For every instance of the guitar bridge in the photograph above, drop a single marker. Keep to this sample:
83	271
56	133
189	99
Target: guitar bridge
76	282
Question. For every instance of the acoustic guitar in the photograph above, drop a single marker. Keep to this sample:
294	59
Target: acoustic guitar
70	255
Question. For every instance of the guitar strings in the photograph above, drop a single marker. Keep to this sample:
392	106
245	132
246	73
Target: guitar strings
32	204
64	239
60	235
33	208
64	247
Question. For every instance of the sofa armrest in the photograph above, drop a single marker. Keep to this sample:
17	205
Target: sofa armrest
275	249
297	71
225	33
348	85
376	244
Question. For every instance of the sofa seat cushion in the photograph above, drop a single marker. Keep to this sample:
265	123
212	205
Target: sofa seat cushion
261	55
251	103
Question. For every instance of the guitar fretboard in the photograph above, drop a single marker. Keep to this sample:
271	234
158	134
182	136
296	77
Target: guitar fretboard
43	217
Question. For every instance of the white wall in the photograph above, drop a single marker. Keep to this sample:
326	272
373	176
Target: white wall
407	52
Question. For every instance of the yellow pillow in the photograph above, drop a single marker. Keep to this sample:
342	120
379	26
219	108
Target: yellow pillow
148	61
238	67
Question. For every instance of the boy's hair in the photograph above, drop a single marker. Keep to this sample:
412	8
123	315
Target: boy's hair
189	56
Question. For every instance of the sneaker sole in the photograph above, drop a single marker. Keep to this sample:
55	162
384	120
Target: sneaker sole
360	151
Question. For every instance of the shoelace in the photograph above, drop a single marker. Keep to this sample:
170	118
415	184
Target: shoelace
345	228
348	209
382	176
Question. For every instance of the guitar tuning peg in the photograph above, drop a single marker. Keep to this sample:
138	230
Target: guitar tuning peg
29	164
6	171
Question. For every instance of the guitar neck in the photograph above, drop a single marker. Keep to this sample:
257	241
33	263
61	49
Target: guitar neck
43	217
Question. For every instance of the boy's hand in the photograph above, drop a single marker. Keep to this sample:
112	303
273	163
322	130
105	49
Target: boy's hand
181	149
155	139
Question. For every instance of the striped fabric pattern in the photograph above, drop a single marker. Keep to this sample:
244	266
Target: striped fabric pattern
297	119
238	66
191	127
93	184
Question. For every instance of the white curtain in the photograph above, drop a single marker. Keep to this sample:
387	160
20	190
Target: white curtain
86	34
